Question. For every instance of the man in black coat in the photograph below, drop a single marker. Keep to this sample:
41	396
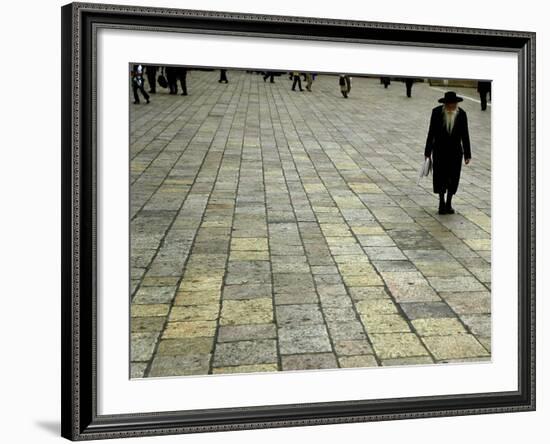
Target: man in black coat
447	143
483	88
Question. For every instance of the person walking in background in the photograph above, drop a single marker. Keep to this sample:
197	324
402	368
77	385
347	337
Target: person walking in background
345	84
223	76
269	75
385	81
483	88
296	80
409	81
137	83
309	80
171	78
447	143
181	74
151	71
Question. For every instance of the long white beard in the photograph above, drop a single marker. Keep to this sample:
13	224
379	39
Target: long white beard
449	117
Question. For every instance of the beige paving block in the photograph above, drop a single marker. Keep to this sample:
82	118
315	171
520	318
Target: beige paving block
147	310
248	311
252	368
397	345
186	346
371	307
200	284
249	244
189	329
205	297
360	268
238	255
479	244
367	230
364	280
438	326
385	323
454	347
194	313
357	361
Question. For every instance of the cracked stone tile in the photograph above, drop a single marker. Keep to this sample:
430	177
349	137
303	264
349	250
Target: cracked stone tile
261	351
248	311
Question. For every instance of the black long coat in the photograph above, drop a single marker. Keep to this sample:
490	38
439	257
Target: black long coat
447	149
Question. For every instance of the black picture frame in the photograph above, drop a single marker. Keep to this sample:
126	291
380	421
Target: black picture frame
80	420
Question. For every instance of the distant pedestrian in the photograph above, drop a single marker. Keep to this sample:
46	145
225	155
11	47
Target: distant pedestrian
408	86
345	84
137	83
223	76
269	75
296	80
447	143
309	81
151	71
483	88
385	81
171	78
181	75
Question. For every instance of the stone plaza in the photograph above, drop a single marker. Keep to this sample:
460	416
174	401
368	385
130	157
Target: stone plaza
277	230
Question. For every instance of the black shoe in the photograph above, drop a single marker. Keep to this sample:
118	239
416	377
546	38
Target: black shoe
183	94
442	209
136	102
449	209
147	101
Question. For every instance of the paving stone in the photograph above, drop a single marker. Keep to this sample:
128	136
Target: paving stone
302	297
385	323
251	311
344	347
254	368
137	370
419	310
399	265
154	295
357	361
454	347
262	351
207	297
195	313
409	287
479	324
147	310
397	345
190	329
180	365
249	244
142	346
302	314
366	293
459	283
230	333
315	361
469	302
349	330
370	307
438	326
247	291
187	346
150	324
244	255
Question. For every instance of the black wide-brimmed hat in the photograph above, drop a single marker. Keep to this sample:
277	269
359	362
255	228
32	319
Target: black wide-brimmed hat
450	97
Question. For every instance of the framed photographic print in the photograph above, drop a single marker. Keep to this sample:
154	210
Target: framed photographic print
276	221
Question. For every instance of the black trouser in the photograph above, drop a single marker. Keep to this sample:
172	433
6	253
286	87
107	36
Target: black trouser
139	86
298	81
223	76
409	86
152	78
181	74
483	98
171	78
269	75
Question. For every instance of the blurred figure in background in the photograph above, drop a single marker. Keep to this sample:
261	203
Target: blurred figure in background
171	79
137	83
151	71
385	81
345	84
269	75
296	80
181	74
223	76
483	88
309	80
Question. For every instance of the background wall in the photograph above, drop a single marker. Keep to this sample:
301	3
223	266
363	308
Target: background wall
30	222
